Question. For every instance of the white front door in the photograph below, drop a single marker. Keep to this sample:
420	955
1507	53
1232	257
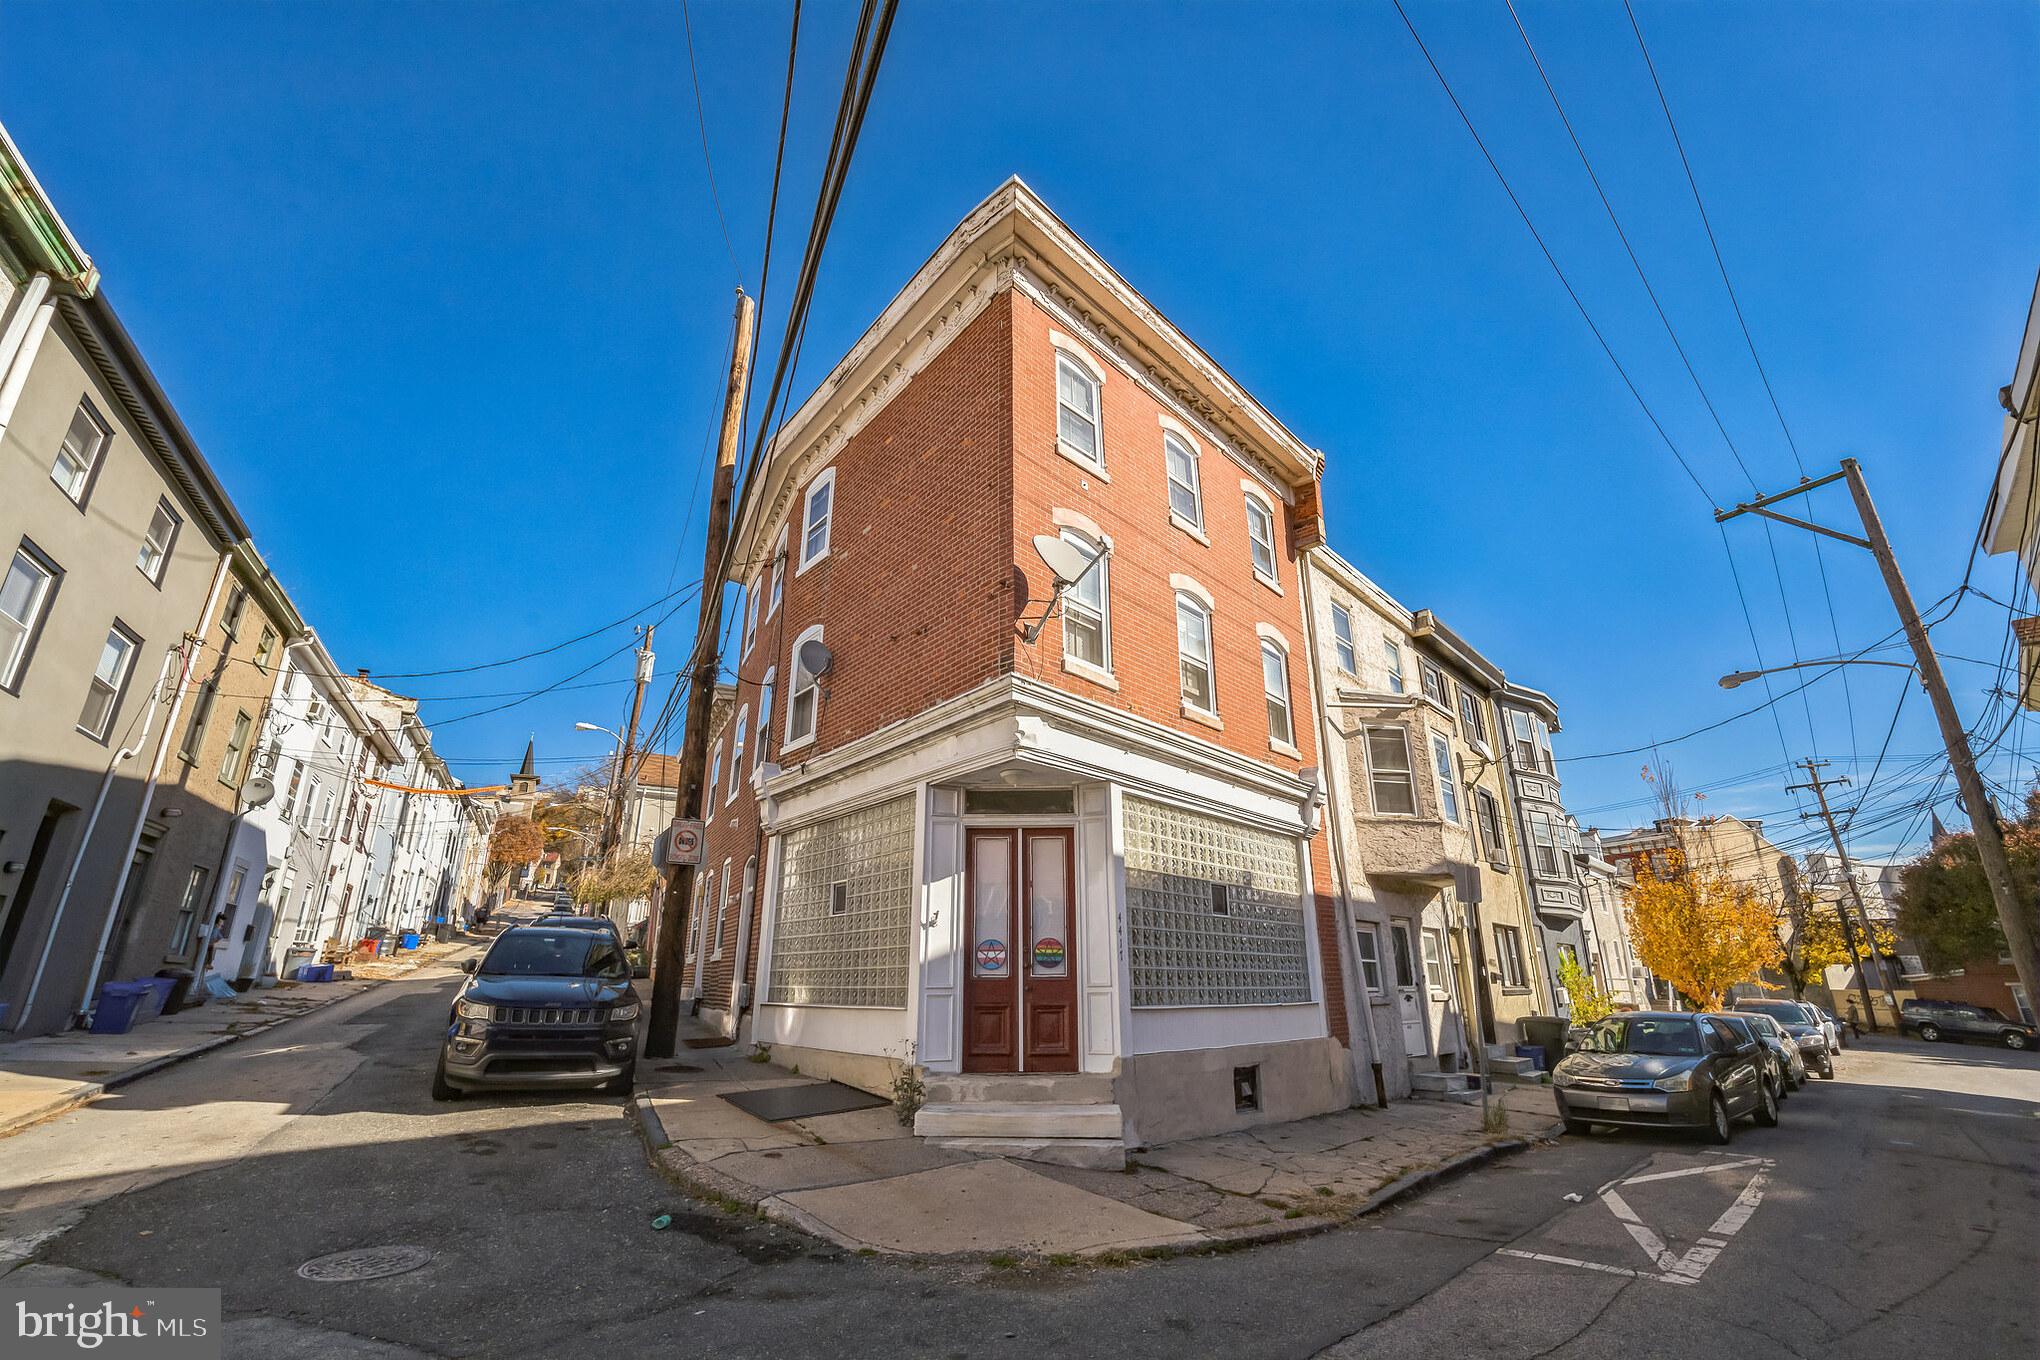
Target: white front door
1409	992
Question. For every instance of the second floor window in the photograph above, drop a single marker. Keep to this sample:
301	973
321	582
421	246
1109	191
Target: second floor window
1490	813
265	649
1509	955
24	593
804	697
1448	783
1086	606
109	678
201	714
78	455
1261	536
1544	845
1473	723
1275	681
816	518
1389	781
1391	656
1186	497
1076	409
1193	651
157	542
237	748
1342	640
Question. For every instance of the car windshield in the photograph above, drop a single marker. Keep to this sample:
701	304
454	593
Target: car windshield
553	953
1784	1012
1660	1038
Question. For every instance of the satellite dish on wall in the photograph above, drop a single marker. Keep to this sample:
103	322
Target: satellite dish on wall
814	657
1065	561
257	792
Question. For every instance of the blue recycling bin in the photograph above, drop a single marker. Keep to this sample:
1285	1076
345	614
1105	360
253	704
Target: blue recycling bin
119	1005
409	940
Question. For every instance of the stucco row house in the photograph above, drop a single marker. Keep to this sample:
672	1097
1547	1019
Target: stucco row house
180	764
1066	763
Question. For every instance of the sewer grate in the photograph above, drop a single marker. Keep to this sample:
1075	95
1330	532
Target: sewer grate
363	1263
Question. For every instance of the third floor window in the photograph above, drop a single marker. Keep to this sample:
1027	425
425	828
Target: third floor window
1076	402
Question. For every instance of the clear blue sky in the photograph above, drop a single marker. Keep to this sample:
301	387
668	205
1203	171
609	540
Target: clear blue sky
441	290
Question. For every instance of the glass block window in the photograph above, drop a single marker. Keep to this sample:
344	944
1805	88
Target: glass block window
1184	953
846	891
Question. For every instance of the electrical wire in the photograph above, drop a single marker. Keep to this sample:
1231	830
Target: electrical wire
701	121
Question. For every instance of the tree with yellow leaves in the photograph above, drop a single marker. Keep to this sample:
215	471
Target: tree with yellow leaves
1818	942
1701	930
1590	1001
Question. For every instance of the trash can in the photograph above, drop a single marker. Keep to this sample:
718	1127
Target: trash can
295	956
1546	1032
159	1000
408	940
184	990
120	1004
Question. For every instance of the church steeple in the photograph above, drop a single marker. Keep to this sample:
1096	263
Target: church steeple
526	779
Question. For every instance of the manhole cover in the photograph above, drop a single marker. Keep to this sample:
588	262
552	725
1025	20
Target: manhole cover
363	1263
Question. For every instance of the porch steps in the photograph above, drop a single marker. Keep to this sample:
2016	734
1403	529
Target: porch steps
1462	1087
1021	1119
1510	1065
1003	1088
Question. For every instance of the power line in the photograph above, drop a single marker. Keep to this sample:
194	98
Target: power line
542	651
701	121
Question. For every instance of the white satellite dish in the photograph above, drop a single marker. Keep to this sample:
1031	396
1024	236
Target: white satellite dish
815	658
258	791
1066	562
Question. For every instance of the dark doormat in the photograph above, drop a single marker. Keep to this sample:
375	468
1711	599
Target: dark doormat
709	1041
776	1104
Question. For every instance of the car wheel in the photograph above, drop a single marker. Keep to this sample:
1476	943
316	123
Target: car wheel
1767	1107
2015	1039
623	1083
1827	1067
1931	1033
1719	1129
442	1089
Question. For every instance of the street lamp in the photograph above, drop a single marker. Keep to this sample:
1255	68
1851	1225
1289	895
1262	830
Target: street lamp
1735	678
609	802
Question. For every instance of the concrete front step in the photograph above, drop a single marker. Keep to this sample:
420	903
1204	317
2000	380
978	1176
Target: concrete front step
1010	1088
1458	1086
1511	1065
1018	1120
1091	1154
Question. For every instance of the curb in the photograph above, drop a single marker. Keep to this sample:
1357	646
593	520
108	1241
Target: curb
86	1092
715	1185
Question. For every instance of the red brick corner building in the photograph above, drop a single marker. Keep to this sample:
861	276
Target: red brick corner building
1076	879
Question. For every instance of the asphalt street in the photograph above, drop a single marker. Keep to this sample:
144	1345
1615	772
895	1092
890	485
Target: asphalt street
1895	1212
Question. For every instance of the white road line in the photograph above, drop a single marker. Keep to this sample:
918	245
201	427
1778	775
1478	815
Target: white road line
1706	1170
1653	1245
1694	1263
1572	1261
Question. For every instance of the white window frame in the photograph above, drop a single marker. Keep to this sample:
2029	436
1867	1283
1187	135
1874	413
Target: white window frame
1256	543
163	511
1092	380
1431	947
1186	600
739	731
1367	949
777	566
722	909
763	735
1448	779
1344	652
1392	661
1098	552
115	687
1509	957
714	780
803	684
1273	650
88	466
751	614
825	480
15	661
1543	845
1175	442
1407	773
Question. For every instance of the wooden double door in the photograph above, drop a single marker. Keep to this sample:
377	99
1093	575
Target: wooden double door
1020	976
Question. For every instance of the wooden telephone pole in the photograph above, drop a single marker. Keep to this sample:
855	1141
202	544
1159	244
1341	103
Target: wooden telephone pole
662	1033
1819	788
1990	837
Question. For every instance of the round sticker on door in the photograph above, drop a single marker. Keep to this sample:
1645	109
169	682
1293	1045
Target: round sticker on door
991	956
1048	952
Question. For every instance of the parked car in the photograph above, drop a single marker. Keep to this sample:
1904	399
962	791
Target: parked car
1776	1070
1830	1022
571	921
547	1006
1805	1027
1938	1020
1658	1069
1783	1044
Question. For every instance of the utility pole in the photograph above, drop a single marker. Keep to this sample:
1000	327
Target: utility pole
1990	838
619	787
662	1031
1819	787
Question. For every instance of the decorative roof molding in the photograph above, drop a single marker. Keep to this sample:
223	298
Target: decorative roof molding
29	222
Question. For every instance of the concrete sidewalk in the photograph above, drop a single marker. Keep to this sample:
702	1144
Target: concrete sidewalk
45	1076
863	1181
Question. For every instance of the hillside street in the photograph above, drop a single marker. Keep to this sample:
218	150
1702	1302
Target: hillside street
1896	1218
